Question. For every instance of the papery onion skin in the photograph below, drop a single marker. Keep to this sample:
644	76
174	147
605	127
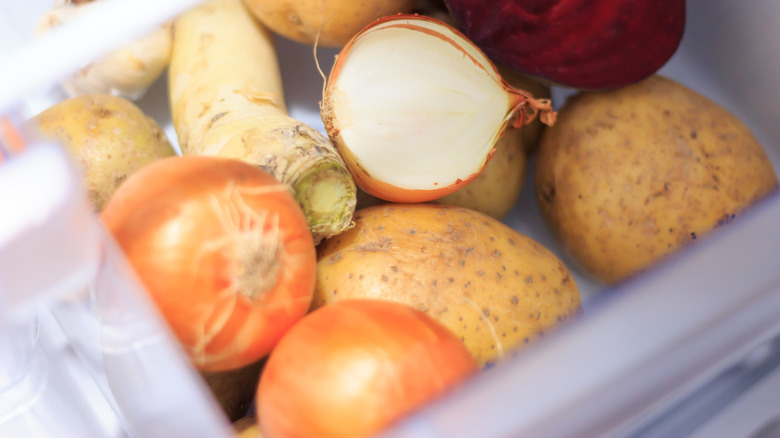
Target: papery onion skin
223	249
350	369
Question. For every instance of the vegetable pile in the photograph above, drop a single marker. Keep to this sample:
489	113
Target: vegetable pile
328	284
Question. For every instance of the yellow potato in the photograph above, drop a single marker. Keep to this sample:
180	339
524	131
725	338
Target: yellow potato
629	176
496	190
493	287
336	21
109	137
247	427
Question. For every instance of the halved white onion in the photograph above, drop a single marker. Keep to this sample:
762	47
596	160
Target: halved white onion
415	108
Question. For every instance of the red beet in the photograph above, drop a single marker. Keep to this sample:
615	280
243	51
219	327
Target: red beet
587	44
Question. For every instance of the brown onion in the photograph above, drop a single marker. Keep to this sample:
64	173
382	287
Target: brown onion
351	368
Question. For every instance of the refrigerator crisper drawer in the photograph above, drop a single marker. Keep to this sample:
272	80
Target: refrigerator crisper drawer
690	348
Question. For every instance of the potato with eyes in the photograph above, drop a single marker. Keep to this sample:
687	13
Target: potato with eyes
629	176
493	287
109	137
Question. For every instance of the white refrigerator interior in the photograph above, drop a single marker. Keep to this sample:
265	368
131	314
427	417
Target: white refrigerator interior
690	348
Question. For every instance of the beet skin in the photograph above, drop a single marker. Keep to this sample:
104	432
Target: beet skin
587	44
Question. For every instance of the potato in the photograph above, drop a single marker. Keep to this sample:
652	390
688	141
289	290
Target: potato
247	427
108	136
493	287
629	176
336	21
496	190
235	389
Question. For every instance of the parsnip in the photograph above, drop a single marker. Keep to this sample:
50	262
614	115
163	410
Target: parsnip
128	71
226	99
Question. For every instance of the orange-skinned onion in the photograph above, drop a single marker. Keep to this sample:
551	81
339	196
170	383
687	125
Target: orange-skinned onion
415	108
351	368
223	249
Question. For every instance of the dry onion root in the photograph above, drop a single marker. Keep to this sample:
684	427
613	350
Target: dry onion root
415	108
128	71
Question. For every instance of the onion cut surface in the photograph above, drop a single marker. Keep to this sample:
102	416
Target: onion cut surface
415	108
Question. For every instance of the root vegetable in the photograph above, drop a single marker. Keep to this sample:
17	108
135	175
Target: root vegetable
349	369
224	251
590	44
128	71
415	108
108	136
227	100
495	288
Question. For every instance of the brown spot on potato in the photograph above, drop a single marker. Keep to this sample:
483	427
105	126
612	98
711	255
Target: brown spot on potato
486	311
384	278
334	258
381	244
514	299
